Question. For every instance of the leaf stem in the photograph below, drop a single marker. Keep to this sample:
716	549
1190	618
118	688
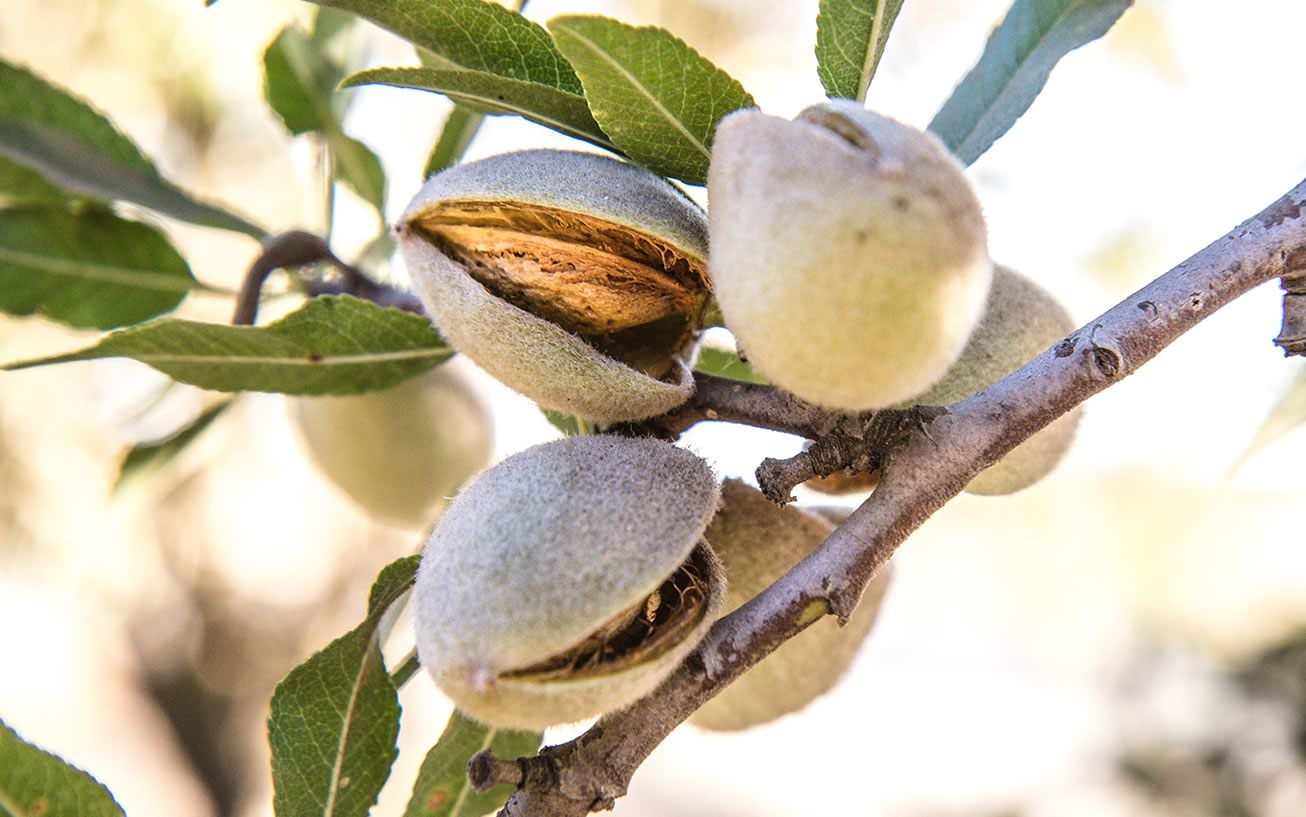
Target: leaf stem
406	670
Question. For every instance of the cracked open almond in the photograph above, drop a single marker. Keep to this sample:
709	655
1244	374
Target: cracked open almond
569	580
577	279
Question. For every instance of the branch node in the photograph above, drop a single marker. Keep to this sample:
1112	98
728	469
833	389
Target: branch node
1108	362
485	771
1292	336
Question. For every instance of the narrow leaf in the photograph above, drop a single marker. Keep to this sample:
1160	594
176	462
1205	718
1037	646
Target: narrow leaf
330	25
1014	67
88	268
473	34
566	423
73	147
300	83
359	168
850	39
22	185
654	96
149	457
334	344
460	128
336	716
564	112
34	783
1287	414
725	363
442	790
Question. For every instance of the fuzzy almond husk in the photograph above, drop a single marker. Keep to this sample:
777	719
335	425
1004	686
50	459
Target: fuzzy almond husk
401	452
757	543
540	552
1021	320
574	278
849	252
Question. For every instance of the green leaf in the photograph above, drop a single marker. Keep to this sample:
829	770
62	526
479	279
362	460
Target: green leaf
73	147
330	25
472	34
334	344
393	581
653	95
1014	67
850	39
460	128
336	716
442	790
149	457
724	363
88	268
34	783
21	185
300	82
1287	414
566	423
564	112
357	166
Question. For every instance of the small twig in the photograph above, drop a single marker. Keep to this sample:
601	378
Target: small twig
297	248
721	398
485	771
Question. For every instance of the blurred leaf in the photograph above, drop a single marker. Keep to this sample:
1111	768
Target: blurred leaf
336	716
88	269
22	185
460	128
564	112
151	456
300	85
331	24
653	95
725	363
1287	414
334	344
442	790
1014	67
472	34
850	39
298	82
358	167
566	423
34	783
75	148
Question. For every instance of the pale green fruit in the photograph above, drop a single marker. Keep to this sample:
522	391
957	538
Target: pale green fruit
574	278
848	255
569	580
757	543
1021	320
401	452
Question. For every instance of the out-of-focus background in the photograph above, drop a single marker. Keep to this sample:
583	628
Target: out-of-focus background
1125	638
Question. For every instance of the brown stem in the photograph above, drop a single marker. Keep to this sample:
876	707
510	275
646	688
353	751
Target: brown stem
298	248
592	771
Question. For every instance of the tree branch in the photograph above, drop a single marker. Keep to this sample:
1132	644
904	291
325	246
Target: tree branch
298	248
590	772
